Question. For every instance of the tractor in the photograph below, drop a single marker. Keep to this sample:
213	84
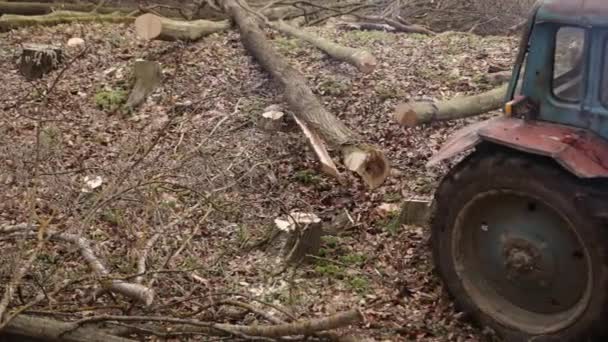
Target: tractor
519	226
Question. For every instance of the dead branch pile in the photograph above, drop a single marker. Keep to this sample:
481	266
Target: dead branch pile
488	17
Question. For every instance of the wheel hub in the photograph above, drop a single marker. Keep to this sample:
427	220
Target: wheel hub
524	261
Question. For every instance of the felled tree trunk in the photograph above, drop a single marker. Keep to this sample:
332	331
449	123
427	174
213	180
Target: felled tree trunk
361	59
10	22
148	76
37	60
368	161
415	113
150	26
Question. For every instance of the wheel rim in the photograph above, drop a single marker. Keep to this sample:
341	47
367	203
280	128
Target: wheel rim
521	262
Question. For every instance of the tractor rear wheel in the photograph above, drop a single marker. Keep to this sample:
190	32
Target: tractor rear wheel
518	245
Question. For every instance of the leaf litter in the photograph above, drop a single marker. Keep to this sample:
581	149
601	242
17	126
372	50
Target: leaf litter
192	165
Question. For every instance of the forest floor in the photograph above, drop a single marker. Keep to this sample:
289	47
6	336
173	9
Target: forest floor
193	166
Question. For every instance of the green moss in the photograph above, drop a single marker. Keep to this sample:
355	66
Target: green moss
288	45
253	105
353	259
359	284
50	139
113	216
330	270
333	88
307	177
391	197
111	100
386	92
46	258
392	223
330	241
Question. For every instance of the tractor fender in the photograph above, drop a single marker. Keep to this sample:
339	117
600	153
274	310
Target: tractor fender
579	151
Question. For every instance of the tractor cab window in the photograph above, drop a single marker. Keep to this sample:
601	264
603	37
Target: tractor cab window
568	64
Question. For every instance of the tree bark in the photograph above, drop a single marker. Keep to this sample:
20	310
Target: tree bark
52	330
368	161
10	21
415	113
150	26
361	59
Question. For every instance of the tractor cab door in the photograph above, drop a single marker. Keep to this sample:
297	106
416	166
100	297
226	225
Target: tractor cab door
556	72
566	75
595	110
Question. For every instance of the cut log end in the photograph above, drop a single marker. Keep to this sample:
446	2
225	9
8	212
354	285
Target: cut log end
368	162
366	62
148	26
408	114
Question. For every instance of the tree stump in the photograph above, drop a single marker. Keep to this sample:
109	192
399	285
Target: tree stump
415	212
37	60
301	233
148	76
272	118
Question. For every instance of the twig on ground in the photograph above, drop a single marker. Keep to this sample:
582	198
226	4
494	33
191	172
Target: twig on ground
141	263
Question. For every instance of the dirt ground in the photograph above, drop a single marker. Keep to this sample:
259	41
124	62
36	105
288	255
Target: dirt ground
193	166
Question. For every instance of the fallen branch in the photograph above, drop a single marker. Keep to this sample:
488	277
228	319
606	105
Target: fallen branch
135	291
143	256
298	328
368	161
53	330
361	59
364	26
415	113
150	26
10	21
397	25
